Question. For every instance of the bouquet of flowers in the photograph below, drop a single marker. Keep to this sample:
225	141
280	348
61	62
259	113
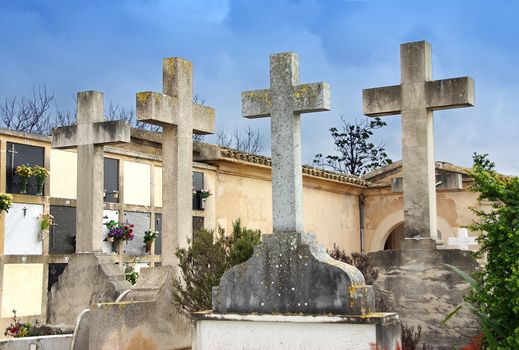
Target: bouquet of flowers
6	202
119	232
204	194
23	171
17	328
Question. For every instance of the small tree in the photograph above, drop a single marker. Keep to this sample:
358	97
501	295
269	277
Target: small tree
356	154
204	262
495	293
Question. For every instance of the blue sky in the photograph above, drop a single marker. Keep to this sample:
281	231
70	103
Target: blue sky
116	47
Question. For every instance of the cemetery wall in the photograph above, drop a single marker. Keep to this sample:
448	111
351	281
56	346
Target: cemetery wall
241	188
331	208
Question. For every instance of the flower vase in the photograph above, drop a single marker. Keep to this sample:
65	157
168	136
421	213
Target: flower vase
115	246
39	188
24	183
148	246
202	203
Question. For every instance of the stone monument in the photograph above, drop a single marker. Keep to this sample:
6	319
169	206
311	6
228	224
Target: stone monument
414	281
146	314
90	276
289	273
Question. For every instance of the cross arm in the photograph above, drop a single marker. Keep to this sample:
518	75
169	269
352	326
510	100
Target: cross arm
256	104
101	133
203	119
314	97
449	93
156	108
381	101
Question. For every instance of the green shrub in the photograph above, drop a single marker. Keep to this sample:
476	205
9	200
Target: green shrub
495	289
203	263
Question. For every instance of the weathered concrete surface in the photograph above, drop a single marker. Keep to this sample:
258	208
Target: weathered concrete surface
89	136
270	332
54	342
144	319
415	99
417	285
284	102
89	278
291	273
80	337
175	111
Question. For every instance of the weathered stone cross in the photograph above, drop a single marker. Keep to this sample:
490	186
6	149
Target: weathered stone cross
415	99
175	111
90	134
284	102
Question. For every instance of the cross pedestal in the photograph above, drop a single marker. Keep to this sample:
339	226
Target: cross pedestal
415	99
175	111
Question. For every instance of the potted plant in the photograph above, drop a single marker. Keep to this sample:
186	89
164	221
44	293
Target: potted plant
149	237
41	175
45	223
24	172
118	232
203	195
6	202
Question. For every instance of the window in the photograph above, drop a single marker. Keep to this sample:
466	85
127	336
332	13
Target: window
111	180
18	154
198	184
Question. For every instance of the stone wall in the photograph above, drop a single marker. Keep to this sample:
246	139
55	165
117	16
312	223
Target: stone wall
418	286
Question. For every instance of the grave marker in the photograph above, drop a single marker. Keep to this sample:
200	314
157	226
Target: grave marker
179	116
415	99
22	230
284	103
462	240
90	134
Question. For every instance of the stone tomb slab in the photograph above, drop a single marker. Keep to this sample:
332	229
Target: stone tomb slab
107	216
141	221
63	230
22	230
276	332
22	289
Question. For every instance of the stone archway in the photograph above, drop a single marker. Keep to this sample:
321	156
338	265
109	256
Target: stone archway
390	231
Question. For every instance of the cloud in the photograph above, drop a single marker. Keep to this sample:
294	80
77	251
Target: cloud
117	46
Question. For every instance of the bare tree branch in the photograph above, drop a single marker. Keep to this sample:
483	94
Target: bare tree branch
246	140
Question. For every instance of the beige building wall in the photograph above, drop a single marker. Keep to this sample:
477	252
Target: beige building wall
331	209
157	188
137	179
384	213
63	182
22	289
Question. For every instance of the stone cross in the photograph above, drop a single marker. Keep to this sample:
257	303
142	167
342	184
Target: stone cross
415	99
462	241
89	135
283	103
179	116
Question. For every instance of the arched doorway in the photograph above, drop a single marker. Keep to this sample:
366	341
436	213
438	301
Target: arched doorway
397	235
394	238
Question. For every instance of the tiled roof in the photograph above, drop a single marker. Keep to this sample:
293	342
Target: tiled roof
308	170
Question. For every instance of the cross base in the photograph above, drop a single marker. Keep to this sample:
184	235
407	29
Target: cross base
418	243
291	273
